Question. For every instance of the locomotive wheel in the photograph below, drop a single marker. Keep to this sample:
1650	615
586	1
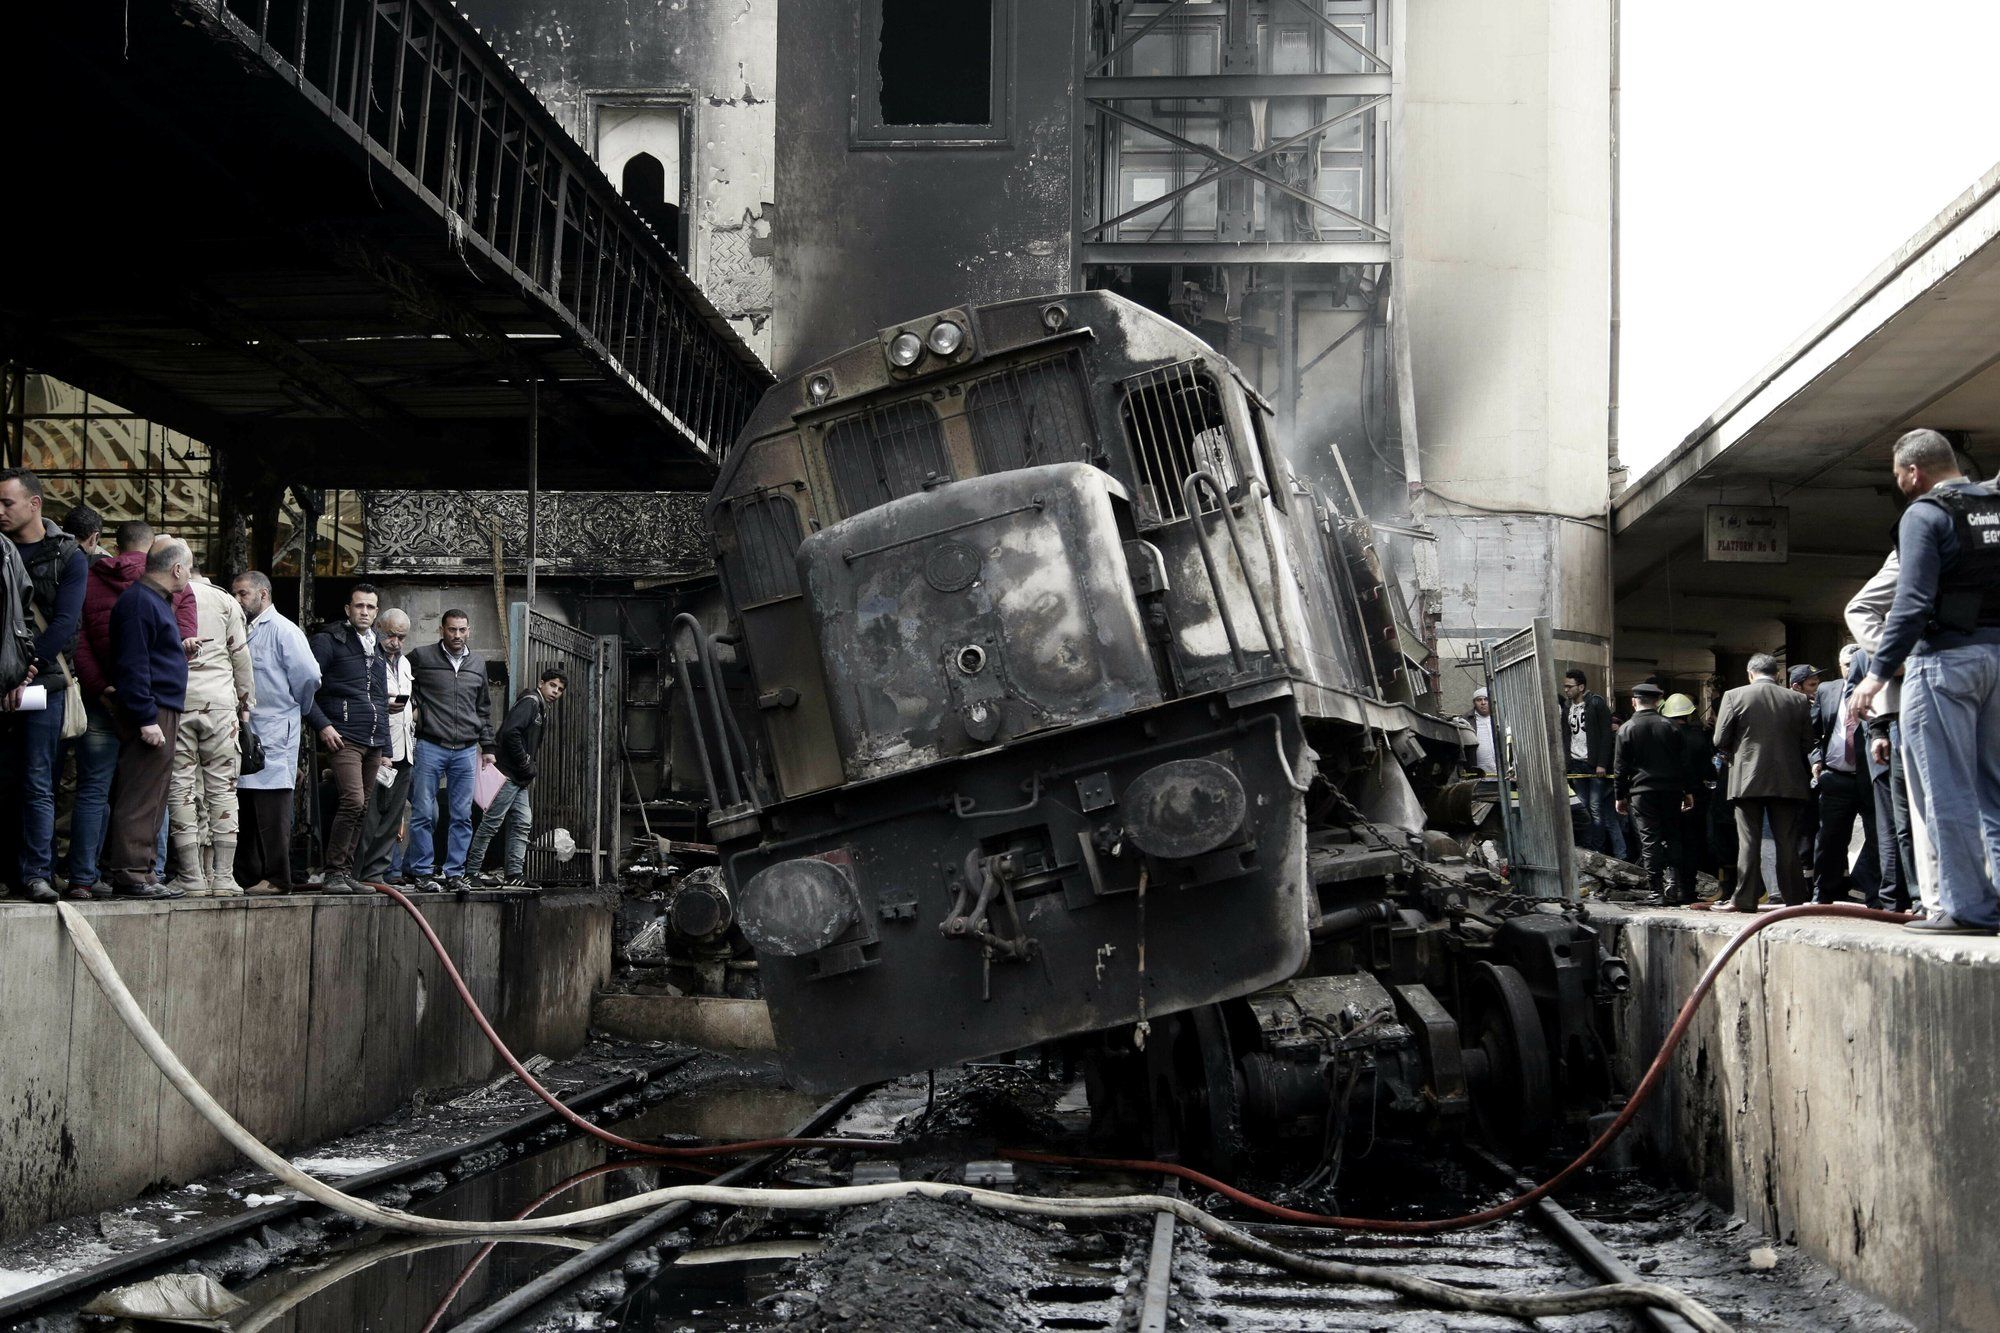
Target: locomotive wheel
1507	1059
1213	1124
1194	1099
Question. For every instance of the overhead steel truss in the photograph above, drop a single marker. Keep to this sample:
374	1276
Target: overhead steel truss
435	107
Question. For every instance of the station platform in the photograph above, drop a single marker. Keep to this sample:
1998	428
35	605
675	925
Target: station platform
306	1015
1841	1088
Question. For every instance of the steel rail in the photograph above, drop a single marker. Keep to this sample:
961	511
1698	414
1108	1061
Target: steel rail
1568	1231
1569	1234
153	1259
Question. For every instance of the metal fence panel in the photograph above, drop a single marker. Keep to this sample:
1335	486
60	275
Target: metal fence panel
576	789
1521	684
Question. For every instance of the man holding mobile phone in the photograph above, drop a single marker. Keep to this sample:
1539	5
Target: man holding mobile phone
381	856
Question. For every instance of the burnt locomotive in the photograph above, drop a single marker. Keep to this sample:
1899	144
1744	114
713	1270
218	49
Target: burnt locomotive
1074	715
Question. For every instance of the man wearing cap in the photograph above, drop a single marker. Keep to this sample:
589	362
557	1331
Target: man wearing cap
1649	766
1486	755
1840	768
1764	731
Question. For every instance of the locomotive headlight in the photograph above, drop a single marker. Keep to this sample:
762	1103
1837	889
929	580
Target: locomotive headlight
946	337
819	388
904	349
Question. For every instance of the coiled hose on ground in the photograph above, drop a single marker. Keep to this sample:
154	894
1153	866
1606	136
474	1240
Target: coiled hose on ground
1528	1306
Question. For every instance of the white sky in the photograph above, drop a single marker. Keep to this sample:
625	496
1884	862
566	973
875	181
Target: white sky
1774	152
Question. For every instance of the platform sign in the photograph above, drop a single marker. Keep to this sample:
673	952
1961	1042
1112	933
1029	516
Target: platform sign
1749	534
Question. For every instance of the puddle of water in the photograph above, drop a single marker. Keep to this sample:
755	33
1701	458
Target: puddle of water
723	1113
383	1284
710	1298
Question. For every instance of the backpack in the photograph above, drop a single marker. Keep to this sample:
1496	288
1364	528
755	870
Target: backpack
17	641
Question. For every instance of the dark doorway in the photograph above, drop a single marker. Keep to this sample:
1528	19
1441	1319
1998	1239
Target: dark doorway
645	188
937	62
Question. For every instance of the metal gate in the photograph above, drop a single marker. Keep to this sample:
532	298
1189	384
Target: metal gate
576	790
1534	796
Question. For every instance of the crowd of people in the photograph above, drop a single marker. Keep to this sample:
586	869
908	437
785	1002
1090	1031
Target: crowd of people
169	715
1902	742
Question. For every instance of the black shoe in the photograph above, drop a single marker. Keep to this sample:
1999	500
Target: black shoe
1944	923
80	893
146	891
489	880
457	884
428	884
336	882
40	891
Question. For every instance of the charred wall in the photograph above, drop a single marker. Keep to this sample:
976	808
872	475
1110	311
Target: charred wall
879	220
711	68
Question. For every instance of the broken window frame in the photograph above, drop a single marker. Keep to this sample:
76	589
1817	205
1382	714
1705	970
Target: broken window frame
681	100
867	130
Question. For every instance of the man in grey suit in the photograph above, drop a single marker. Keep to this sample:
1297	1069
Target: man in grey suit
1765	731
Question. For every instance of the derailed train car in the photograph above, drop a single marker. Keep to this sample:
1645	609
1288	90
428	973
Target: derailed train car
1074	716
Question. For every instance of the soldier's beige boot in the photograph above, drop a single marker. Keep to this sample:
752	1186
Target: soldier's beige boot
222	869
186	857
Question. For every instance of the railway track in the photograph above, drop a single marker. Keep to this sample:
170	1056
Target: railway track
1171	1278
694	1267
1188	1282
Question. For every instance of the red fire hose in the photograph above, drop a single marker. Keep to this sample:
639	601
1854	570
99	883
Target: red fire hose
1655	1072
534	1085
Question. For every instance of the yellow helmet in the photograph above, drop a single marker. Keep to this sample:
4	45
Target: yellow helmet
1677	705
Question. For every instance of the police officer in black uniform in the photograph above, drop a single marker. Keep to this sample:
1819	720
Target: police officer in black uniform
1650	767
1946	622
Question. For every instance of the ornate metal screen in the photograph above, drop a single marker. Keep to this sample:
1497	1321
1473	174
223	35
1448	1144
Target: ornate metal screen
615	533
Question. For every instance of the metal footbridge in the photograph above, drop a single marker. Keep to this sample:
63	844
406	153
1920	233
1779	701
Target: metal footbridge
343	235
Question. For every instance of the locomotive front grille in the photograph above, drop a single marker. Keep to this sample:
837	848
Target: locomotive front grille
1175	422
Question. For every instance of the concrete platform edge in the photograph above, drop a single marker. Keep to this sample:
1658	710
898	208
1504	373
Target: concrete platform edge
306	1015
1841	1090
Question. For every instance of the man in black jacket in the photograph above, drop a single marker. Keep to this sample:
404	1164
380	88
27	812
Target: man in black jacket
1587	742
519	740
1651	770
454	738
350	712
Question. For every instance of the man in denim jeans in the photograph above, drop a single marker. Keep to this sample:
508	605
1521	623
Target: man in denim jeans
1947	610
519	740
31	739
1588	739
454	737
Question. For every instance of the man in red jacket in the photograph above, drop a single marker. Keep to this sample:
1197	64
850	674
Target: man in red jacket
97	749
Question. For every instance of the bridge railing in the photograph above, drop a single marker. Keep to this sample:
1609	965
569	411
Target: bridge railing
439	111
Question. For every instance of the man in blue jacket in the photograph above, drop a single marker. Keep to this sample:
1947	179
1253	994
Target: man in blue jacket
350	711
149	689
1947	612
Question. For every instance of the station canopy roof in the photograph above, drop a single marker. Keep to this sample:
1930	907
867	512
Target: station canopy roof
1916	344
